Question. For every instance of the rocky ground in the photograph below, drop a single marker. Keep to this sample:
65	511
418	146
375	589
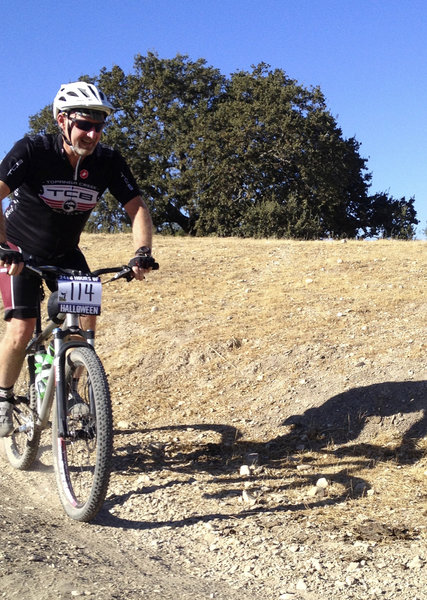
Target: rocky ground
270	431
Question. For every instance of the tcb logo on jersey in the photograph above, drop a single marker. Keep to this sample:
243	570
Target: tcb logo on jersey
69	198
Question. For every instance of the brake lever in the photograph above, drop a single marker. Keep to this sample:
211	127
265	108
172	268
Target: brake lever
125	273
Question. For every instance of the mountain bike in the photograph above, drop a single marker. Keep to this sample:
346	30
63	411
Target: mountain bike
63	375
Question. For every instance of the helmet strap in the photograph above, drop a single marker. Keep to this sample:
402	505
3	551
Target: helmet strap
68	141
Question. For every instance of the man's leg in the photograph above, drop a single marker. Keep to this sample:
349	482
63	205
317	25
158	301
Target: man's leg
12	349
12	353
88	322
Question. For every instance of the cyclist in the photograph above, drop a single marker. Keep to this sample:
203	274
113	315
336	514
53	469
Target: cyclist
56	182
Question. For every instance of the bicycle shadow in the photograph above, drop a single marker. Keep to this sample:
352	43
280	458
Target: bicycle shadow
348	421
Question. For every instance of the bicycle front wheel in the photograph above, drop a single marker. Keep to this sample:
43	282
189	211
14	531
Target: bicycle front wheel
82	459
22	445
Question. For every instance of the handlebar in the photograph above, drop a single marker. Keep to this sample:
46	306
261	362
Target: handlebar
51	271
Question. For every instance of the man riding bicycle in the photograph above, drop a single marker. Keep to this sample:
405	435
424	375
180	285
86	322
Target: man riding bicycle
57	181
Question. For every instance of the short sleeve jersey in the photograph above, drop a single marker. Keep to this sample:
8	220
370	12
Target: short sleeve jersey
51	200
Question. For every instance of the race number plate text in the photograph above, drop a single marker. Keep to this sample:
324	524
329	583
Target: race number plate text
80	295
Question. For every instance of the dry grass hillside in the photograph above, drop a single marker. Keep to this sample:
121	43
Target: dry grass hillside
268	330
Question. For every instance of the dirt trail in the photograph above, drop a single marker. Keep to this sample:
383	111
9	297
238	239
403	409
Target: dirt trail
270	431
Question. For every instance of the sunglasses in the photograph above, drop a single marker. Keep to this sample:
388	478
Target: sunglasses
87	125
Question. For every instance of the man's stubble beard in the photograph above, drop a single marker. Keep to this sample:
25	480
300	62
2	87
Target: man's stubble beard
83	152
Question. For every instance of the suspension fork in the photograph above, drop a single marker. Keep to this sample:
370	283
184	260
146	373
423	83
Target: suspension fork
61	349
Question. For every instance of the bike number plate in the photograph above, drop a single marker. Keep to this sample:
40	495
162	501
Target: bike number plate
79	295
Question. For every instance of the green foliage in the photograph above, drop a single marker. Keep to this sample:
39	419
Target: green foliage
252	155
108	217
43	122
391	218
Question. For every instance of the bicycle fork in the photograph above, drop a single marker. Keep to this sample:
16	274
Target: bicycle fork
57	379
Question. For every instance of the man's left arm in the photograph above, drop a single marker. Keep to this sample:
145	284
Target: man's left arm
142	229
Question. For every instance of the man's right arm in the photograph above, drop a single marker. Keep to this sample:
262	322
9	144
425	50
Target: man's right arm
6	261
4	192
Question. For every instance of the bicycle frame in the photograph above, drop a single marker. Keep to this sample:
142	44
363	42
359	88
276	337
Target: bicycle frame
56	377
70	327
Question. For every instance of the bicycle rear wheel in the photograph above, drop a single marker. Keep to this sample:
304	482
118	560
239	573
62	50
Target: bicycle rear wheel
82	460
22	446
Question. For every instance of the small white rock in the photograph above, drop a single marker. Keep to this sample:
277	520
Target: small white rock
316	564
248	498
415	563
245	471
322	483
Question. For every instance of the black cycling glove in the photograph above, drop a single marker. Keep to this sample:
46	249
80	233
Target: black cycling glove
143	259
10	256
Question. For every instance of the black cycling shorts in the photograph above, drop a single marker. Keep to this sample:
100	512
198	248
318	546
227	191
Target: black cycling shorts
21	293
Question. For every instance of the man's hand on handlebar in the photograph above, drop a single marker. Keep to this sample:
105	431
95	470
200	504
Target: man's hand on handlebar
142	262
11	259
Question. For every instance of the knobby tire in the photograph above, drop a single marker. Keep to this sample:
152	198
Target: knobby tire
22	446
82	461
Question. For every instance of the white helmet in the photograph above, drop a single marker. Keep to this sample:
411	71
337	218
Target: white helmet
81	95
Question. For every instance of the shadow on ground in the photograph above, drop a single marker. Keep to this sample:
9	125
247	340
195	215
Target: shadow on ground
343	426
361	413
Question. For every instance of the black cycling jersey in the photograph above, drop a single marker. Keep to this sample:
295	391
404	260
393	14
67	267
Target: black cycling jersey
52	201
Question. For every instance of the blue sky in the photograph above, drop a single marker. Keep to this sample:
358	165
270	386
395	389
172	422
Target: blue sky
367	56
